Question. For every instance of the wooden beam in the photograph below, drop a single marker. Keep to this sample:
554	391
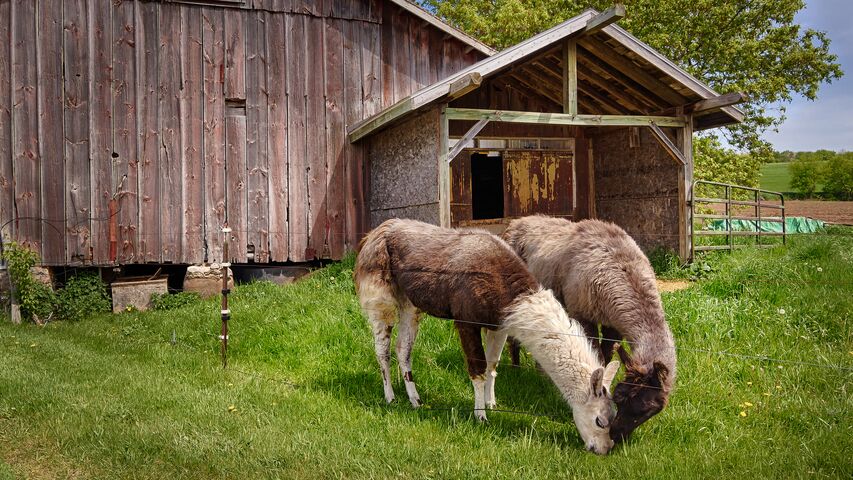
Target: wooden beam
443	169
464	84
721	101
619	82
632	70
562	118
667	144
469	135
570	77
605	18
427	17
360	129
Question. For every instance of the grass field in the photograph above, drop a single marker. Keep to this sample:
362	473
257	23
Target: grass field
777	177
112	397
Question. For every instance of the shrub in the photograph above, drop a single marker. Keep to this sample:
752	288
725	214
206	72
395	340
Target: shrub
171	301
37	300
805	176
84	294
839	178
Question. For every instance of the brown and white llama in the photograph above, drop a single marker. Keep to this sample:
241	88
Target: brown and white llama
603	278
405	267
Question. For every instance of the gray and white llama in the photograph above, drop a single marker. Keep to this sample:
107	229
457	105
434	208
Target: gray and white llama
405	267
603	278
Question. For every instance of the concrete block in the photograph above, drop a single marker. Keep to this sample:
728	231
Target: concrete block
206	280
136	292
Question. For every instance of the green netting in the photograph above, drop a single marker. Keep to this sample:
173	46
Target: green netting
792	225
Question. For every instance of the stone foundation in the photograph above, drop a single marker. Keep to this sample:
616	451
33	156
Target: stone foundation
206	280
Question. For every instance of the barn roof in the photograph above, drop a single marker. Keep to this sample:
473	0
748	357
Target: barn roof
446	28
617	74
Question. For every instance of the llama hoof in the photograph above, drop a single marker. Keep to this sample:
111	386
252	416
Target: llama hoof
389	399
491	405
481	416
416	402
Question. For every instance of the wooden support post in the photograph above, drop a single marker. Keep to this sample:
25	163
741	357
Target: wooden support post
667	144
685	184
443	170
469	135
226	313
570	77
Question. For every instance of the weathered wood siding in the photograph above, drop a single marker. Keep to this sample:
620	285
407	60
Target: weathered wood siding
636	187
184	116
404	170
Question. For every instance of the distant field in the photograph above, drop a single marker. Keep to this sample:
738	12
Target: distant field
777	177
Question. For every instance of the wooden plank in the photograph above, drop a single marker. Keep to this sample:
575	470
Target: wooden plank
419	38
297	171
618	84
257	133
192	135
336	135
587	75
444	212
235	54
277	87
235	158
76	124
7	179
171	151
570	77
388	61
213	35
403	57
605	18
50	132
562	118
685	184
632	71
461	207
582	178
353	112
424	16
667	144
371	69
125	153
315	124
100	127
25	121
464	84
469	135
148	107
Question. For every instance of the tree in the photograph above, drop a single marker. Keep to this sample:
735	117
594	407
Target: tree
806	173
718	164
751	46
839	177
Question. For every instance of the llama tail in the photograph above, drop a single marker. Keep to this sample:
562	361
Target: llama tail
373	259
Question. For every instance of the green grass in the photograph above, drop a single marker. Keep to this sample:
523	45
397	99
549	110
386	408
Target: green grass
110	397
777	177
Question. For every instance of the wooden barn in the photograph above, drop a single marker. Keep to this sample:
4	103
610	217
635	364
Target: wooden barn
131	131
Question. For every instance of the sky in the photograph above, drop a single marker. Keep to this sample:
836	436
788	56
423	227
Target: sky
826	123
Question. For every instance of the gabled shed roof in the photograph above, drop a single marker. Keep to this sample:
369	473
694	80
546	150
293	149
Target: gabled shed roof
619	72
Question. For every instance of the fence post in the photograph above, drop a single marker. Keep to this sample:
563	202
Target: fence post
226	313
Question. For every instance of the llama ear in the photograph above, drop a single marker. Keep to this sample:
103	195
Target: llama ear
596	380
661	372
610	373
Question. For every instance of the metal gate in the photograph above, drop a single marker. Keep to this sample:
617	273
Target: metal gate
740	203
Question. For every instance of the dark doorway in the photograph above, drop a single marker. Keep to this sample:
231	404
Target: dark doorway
487	186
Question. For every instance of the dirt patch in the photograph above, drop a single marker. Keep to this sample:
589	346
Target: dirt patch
672	285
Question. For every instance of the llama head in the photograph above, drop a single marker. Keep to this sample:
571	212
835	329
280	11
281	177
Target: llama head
640	396
594	416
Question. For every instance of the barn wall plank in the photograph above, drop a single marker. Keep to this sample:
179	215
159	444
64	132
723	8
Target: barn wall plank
235	54
78	192
126	160
192	141
213	32
148	144
25	120
100	126
315	121
171	172
277	88
335	137
403	61
353	112
7	194
235	161
257	132
297	198
51	138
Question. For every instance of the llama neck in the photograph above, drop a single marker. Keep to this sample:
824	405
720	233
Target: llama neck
655	345
556	341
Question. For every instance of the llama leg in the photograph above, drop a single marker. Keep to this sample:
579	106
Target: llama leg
382	344
591	331
610	337
515	351
494	346
472	346
380	307
406	334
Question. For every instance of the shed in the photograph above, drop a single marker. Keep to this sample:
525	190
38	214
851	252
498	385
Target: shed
580	121
131	131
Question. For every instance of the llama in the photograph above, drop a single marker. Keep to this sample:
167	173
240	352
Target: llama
603	278
405	267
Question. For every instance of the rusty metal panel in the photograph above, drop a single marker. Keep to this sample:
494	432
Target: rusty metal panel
537	182
461	207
